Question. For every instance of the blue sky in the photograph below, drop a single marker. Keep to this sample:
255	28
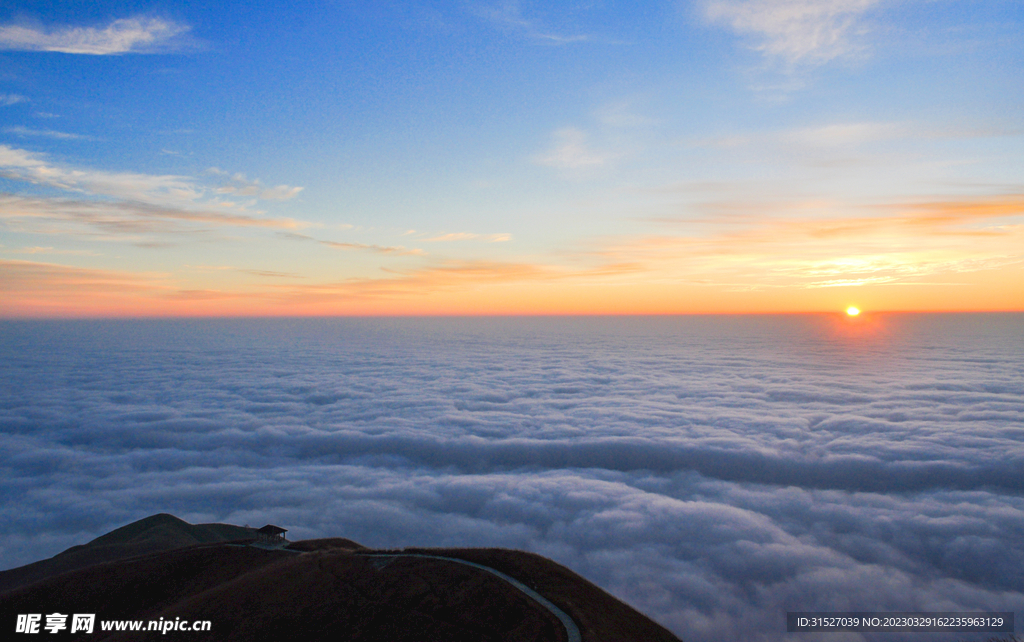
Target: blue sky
474	157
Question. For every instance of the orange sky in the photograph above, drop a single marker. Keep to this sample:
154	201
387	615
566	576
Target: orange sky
961	255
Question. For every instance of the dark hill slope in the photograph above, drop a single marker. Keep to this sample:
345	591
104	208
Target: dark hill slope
153	534
249	593
333	589
595	611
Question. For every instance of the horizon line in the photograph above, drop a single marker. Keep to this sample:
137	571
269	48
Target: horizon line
526	315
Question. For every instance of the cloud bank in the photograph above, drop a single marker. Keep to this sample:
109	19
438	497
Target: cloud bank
713	472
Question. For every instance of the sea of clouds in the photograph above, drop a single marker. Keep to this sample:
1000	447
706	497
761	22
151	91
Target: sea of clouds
713	472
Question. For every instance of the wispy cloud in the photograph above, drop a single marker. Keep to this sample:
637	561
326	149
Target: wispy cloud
796	32
166	190
509	14
824	145
127	35
238	184
7	100
46	133
570	150
381	249
910	242
49	250
71	289
55	282
863	132
419	281
22	165
447	276
622	114
469	236
133	221
274	274
866	144
837	134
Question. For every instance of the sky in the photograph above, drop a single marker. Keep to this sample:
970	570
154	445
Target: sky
415	158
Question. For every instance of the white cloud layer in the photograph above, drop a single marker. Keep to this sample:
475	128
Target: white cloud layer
127	35
712	472
796	31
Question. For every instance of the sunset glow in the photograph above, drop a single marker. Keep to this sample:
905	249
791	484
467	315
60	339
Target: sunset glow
852	311
509	160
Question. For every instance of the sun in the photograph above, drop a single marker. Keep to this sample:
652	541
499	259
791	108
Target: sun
852	311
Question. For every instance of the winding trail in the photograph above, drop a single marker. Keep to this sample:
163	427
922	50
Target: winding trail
571	630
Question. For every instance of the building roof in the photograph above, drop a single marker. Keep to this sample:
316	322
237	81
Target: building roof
270	529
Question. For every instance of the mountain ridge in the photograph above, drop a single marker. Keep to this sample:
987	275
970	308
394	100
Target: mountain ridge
323	588
153	534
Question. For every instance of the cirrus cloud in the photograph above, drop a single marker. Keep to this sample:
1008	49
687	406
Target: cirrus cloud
7	100
570	150
810	32
120	202
126	35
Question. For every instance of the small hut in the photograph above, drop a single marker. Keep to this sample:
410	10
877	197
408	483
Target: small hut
270	534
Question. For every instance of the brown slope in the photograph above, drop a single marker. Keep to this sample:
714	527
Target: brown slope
254	594
320	589
600	616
